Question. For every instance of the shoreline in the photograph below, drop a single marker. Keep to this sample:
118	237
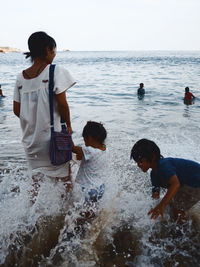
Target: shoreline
5	49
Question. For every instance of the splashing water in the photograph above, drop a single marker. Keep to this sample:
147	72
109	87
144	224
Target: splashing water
52	232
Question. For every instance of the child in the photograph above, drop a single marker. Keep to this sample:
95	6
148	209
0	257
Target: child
141	90
181	177
94	161
91	174
188	96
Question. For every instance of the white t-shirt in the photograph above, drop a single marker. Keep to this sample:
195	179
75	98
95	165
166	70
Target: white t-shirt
93	170
33	96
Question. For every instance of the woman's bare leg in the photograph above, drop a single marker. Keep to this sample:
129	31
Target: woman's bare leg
36	186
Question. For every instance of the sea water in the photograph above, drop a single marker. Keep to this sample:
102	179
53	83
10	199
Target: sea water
106	91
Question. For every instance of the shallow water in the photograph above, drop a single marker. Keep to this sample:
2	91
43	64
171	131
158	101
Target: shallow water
121	234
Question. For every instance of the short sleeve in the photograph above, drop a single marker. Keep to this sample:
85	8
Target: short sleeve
155	183
167	170
16	95
62	79
88	152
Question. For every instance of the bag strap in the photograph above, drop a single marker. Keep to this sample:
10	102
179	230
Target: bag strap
51	86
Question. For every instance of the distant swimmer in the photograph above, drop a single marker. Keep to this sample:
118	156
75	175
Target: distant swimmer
1	92
141	90
188	96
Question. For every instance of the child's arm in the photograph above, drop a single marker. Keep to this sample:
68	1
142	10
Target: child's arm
78	151
155	187
156	194
171	192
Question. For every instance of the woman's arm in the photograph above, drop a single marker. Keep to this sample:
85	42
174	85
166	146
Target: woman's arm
16	108
171	192
64	109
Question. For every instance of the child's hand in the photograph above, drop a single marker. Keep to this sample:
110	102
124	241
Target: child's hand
78	151
156	195
79	157
158	210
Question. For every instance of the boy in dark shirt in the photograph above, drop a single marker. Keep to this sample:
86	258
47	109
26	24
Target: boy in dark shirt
181	177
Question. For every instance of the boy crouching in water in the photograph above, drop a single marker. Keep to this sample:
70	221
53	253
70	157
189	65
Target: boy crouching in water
181	177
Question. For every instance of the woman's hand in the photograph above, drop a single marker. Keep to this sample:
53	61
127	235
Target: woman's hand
69	128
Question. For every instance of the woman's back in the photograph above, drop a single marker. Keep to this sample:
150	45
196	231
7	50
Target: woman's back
33	95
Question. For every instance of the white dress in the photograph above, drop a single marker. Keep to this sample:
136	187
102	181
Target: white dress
33	96
93	171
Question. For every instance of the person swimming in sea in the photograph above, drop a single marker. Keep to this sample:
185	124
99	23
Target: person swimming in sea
188	96
141	90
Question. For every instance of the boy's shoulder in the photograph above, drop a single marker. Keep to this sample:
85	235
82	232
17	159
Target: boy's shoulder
165	163
170	160
176	162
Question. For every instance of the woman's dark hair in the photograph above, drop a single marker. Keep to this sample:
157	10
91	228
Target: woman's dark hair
37	43
95	130
145	148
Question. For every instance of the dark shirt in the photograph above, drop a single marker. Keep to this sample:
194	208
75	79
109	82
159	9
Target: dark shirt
187	171
141	91
188	96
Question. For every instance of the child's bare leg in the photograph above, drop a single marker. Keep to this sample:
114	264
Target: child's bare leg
86	216
92	202
185	198
179	214
67	181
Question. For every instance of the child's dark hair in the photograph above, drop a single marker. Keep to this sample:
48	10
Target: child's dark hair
37	43
95	130
145	148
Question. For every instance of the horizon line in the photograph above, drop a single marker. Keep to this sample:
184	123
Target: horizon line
107	50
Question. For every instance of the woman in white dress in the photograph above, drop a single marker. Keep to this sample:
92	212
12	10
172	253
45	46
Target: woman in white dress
31	105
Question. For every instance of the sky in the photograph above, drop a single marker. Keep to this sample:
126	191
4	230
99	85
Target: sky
99	25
